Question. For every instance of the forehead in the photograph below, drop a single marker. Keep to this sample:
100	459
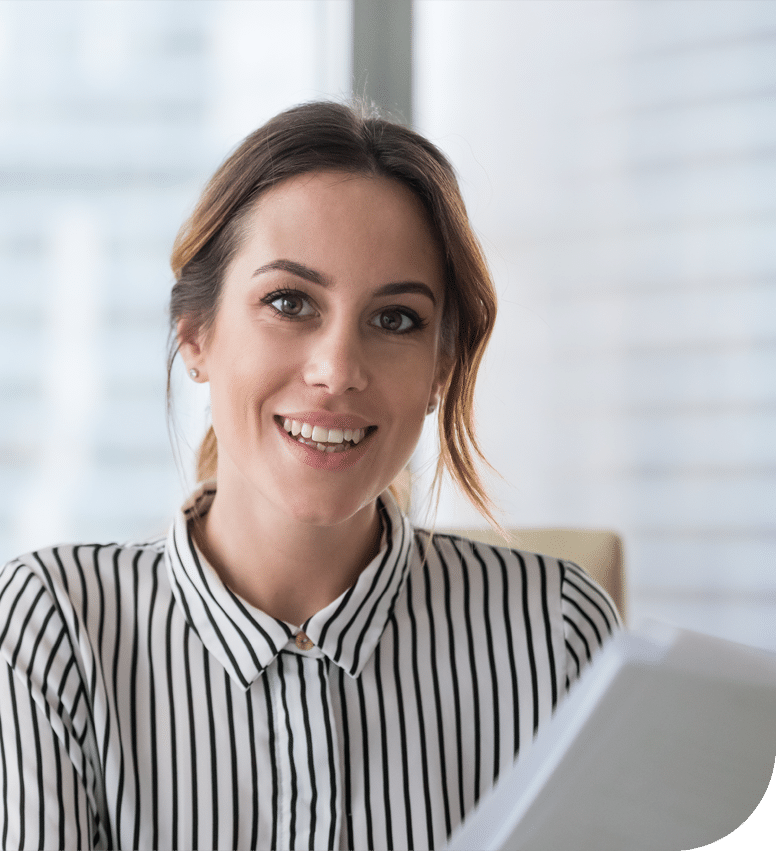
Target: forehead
345	224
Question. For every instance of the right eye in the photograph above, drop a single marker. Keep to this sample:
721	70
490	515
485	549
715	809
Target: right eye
293	305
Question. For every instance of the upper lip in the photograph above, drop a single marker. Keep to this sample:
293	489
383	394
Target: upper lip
325	419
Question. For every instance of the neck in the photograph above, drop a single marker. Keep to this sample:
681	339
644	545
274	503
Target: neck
286	568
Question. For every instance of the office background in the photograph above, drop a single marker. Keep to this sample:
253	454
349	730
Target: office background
618	158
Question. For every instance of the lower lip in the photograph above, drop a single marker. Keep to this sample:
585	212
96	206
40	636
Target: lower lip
325	460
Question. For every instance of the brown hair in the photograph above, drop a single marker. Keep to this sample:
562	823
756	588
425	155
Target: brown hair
328	136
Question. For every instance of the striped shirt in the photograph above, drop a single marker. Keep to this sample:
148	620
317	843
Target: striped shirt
145	705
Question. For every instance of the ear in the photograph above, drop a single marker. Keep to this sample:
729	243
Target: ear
443	371
191	349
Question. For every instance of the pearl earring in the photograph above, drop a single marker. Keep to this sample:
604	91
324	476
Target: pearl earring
431	408
194	373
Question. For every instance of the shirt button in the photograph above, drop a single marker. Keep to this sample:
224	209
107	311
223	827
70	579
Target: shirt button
303	642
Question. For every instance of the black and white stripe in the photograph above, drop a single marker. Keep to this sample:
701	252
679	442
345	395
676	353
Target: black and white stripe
146	706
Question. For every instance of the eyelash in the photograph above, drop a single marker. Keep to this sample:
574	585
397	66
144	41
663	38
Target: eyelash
417	322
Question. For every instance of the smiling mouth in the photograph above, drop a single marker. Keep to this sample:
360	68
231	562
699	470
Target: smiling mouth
329	440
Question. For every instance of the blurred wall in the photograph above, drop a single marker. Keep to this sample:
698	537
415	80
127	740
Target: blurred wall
619	161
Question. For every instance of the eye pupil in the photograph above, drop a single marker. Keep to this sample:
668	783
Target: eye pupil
390	320
291	305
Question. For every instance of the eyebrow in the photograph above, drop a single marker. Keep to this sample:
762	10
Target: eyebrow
308	274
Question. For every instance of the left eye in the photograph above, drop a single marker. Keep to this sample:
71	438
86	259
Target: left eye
292	305
395	320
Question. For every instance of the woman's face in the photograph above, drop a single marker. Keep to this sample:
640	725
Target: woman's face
329	320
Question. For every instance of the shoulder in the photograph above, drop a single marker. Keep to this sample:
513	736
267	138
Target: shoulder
457	551
66	587
515	579
562	588
548	604
588	610
67	567
567	580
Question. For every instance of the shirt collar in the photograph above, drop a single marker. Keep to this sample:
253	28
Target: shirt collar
246	640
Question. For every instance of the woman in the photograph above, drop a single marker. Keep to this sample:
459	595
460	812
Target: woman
295	666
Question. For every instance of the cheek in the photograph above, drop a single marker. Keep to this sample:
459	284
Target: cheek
239	386
409	394
415	378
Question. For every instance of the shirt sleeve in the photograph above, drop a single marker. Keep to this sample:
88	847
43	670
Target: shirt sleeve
46	768
590	619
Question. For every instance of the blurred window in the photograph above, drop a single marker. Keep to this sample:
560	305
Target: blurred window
113	116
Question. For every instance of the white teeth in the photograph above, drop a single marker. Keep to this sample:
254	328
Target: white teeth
320	436
323	447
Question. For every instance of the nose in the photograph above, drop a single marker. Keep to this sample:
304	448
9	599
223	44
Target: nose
336	360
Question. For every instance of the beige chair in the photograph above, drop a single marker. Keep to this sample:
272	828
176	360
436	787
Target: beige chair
599	553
